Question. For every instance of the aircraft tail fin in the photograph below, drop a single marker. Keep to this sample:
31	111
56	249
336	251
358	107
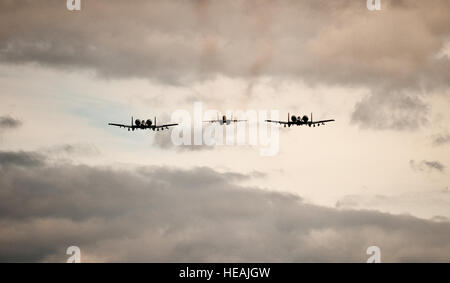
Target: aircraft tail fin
155	121
311	118
132	120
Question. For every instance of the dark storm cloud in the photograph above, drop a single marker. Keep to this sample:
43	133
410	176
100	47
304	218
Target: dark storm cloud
320	42
7	122
174	215
425	165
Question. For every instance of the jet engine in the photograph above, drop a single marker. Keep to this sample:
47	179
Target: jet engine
138	122
305	119
293	119
148	122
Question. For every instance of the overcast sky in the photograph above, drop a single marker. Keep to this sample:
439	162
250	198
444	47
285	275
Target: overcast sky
379	175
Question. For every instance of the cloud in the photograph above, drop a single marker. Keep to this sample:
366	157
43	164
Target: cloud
435	165
398	111
427	165
21	158
426	204
321	43
268	38
67	150
176	215
439	218
441	139
7	122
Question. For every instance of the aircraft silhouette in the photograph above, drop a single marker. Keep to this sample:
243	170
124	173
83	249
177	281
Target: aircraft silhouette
300	121
144	125
224	120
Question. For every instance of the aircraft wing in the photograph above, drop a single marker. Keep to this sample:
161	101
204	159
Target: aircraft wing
278	122
164	126
320	122
235	121
121	125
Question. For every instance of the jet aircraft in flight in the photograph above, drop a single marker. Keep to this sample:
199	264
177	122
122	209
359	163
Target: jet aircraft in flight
300	121
224	120
144	125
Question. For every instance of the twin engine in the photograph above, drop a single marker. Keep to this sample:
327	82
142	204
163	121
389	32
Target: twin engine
143	122
303	119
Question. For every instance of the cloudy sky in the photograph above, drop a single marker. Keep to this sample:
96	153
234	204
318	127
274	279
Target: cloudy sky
377	176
